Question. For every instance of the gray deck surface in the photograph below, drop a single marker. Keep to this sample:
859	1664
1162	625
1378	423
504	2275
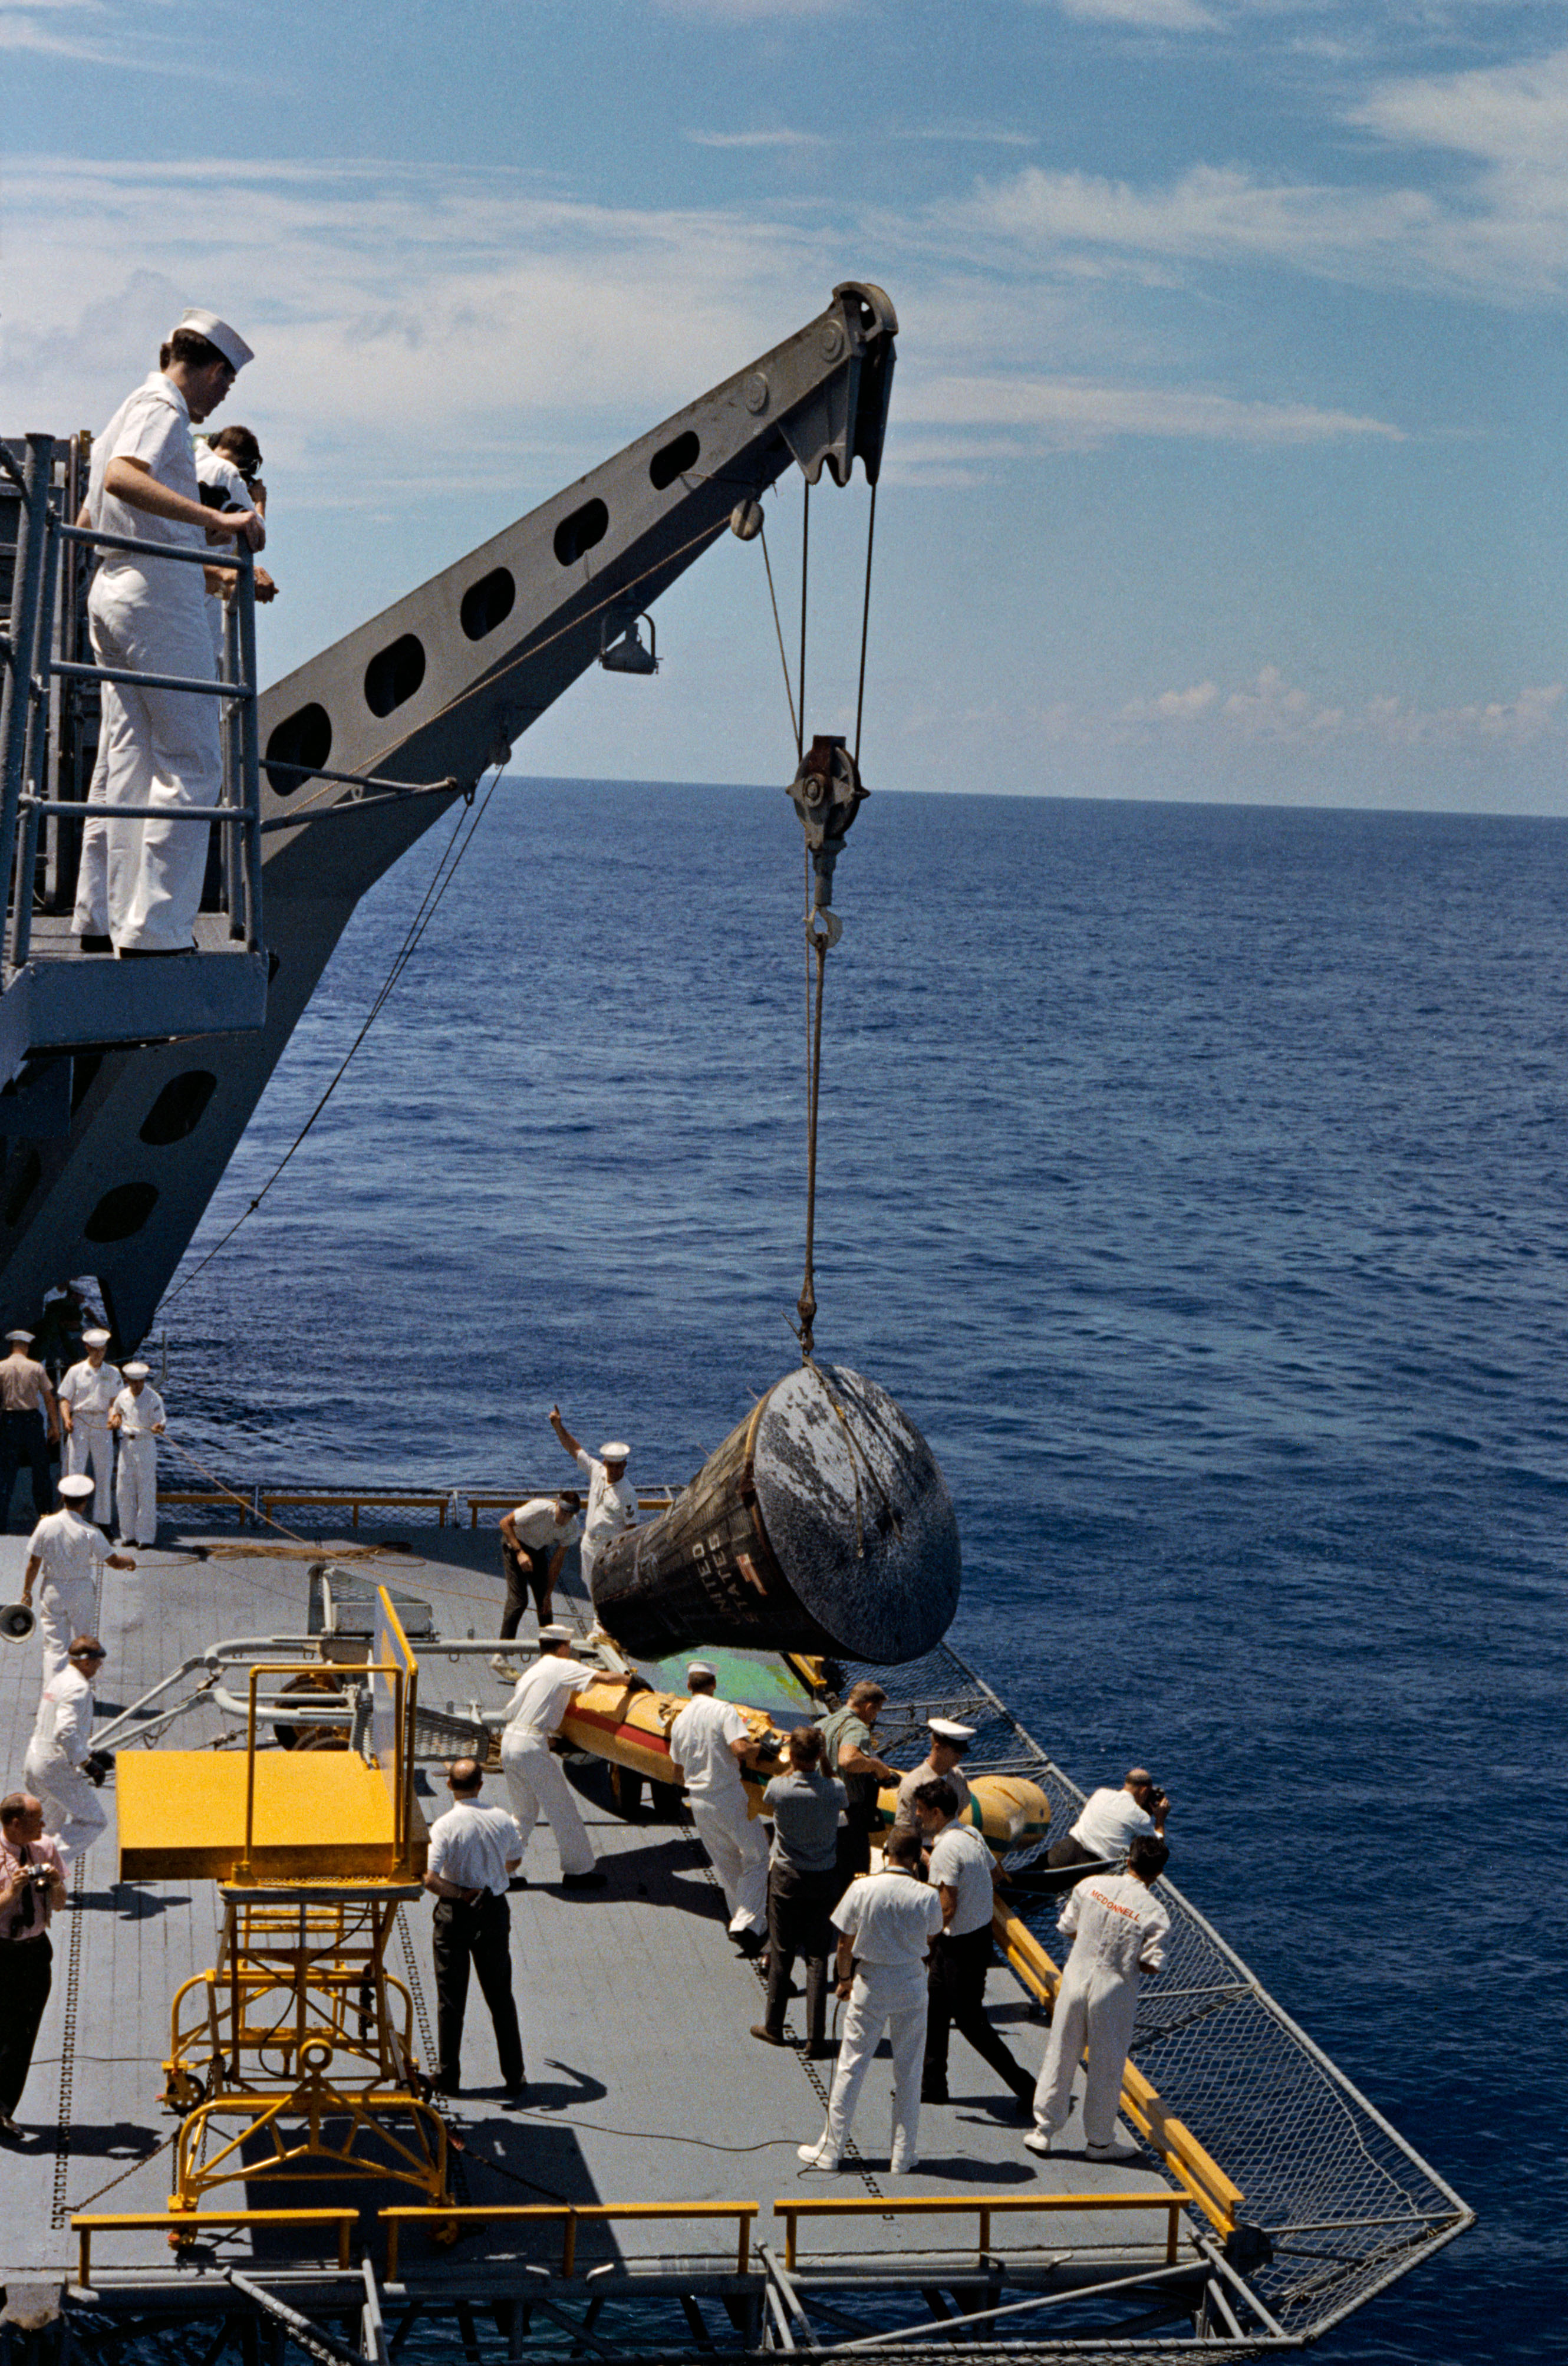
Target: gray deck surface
645	2084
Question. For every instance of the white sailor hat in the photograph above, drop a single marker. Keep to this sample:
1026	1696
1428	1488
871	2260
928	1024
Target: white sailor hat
228	341
618	1450
136	1371
553	1633
77	1488
25	1336
95	1338
701	1668
942	1729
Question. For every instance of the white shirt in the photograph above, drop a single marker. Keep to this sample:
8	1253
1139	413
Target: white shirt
216	468
904	1815
137	1414
1109	1823
541	1698
470	1847
1120	1927
65	1728
960	1859
611	1509
534	1523
153	425
90	1394
892	1919
699	1745
71	1550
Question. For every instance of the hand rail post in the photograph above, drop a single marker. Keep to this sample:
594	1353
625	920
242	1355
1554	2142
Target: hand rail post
233	775
568	2247
15	693
38	750
250	753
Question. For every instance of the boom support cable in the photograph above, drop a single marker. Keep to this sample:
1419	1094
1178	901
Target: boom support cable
444	872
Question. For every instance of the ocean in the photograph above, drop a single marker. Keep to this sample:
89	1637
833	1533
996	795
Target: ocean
1196	1176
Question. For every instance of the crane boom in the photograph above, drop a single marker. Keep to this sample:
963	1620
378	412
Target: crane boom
437	687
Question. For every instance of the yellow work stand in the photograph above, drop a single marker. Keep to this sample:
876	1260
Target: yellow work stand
293	2058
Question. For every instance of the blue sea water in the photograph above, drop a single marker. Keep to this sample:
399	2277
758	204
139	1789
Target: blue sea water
1197	1178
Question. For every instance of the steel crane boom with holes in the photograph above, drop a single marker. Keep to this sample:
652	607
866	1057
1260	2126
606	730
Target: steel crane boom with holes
434	691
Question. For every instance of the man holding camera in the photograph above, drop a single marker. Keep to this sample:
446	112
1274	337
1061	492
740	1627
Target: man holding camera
32	1883
1112	1820
61	1766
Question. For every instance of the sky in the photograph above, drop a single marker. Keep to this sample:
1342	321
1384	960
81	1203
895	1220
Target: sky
1225	458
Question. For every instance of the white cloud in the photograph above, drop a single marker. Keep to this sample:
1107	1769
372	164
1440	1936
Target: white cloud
978	135
1157	15
780	139
1513	116
1270	709
1077	413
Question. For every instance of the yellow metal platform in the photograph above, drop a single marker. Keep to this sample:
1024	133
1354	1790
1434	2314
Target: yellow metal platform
319	1815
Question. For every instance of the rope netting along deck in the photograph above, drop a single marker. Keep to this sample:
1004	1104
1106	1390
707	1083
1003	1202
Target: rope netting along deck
1348	2205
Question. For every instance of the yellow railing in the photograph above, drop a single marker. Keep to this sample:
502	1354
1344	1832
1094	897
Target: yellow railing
986	2206
185	2225
1215	2194
569	2216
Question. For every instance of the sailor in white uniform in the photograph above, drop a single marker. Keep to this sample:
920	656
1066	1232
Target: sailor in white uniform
87	1393
534	1778
1118	1929
710	1743
612	1499
60	1753
137	1418
225	468
885	1924
71	1554
163	746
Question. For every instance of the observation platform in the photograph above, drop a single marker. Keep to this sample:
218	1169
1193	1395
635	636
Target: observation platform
648	2098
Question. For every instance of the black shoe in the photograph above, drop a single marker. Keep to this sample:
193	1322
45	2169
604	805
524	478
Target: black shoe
748	1945
93	944
934	2095
822	2052
445	2087
517	2094
518	1881
769	2037
585	1881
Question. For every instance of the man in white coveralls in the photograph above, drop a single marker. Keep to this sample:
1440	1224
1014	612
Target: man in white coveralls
163	746
534	1778
60	1766
70	1553
612	1500
710	1743
885	1924
136	1417
1118	1932
87	1393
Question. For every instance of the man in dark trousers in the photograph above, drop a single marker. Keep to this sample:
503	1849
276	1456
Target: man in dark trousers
961	1953
26	1405
31	1885
474	1851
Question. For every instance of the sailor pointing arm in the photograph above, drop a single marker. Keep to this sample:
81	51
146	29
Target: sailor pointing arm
612	1501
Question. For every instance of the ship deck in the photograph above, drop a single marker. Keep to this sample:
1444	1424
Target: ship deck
645	2089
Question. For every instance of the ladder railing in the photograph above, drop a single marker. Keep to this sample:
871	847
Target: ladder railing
31	667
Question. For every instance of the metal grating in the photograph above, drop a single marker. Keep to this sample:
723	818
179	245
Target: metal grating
1346	2203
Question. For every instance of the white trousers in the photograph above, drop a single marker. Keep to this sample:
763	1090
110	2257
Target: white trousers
874	2006
91	917
539	1787
162	747
63	1613
91	1447
1098	2011
739	1847
136	1490
73	1815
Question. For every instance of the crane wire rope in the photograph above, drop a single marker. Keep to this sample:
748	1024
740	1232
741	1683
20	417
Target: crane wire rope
817	940
445	871
784	661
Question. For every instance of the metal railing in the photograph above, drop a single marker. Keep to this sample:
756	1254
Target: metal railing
31	666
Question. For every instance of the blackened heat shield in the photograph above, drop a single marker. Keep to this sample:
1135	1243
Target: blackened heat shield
822	1523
